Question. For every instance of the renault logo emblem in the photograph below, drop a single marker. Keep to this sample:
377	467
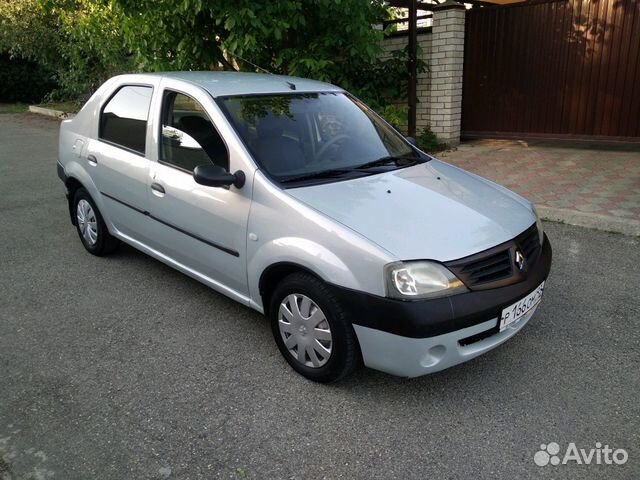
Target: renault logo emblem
520	260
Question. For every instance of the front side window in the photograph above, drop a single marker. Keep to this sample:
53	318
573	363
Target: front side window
124	118
188	137
297	138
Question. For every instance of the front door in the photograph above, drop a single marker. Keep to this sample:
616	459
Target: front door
202	228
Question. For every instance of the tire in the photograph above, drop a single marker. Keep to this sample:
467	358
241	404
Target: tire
91	228
324	313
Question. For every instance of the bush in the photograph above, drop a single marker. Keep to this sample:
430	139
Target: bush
428	142
78	41
23	80
396	115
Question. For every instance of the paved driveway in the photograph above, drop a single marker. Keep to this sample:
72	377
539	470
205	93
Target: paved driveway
578	184
121	368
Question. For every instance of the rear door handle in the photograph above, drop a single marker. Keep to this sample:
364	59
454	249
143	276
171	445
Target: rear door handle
92	160
157	189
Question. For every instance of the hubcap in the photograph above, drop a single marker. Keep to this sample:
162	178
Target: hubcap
305	330
87	222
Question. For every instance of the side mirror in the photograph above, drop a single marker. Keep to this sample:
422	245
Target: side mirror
412	141
216	176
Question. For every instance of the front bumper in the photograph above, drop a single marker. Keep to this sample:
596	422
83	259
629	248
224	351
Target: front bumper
411	338
412	357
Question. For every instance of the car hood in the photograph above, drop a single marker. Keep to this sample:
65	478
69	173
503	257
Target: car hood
429	211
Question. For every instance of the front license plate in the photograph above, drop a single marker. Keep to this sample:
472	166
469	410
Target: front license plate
515	312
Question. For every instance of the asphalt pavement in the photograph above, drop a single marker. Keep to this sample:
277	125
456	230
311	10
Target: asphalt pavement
122	368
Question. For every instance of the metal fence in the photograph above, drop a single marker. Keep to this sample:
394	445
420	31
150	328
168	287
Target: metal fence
556	68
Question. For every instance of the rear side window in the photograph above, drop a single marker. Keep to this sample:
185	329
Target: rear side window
124	118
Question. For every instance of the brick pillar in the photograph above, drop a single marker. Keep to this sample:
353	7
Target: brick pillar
445	63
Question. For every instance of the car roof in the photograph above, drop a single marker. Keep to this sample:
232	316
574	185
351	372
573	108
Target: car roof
220	84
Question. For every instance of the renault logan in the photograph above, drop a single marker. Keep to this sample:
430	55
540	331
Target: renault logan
295	199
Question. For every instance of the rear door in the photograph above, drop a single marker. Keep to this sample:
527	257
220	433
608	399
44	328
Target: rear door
117	158
203	228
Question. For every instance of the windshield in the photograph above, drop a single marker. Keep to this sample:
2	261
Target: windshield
316	136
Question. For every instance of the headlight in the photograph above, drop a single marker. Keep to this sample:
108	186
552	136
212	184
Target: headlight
539	225
420	279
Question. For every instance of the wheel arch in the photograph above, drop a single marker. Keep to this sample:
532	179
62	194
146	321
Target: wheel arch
73	185
274	274
76	177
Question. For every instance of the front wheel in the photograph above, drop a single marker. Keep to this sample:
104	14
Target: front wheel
312	330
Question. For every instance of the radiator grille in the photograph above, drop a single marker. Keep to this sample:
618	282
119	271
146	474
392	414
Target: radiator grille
496	267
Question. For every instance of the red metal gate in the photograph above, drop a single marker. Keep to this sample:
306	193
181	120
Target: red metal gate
553	68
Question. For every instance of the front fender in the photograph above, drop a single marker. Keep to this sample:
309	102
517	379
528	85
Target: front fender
302	252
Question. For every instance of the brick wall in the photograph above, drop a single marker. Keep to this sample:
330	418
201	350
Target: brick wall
447	58
399	42
440	88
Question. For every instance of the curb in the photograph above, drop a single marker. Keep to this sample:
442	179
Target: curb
49	112
596	221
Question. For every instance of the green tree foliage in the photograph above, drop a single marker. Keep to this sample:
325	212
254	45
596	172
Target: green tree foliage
329	40
28	49
78	40
27	32
92	47
86	41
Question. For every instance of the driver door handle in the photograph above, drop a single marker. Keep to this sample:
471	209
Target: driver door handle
157	188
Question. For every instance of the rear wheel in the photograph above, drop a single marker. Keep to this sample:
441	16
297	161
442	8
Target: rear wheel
91	227
312	330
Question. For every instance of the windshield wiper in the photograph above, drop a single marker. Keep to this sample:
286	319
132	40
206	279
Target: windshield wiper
337	172
331	173
388	160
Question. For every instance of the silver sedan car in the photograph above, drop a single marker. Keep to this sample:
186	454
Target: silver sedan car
293	198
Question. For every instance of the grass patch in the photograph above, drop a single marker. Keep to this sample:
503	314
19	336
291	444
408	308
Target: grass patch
66	107
13	108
